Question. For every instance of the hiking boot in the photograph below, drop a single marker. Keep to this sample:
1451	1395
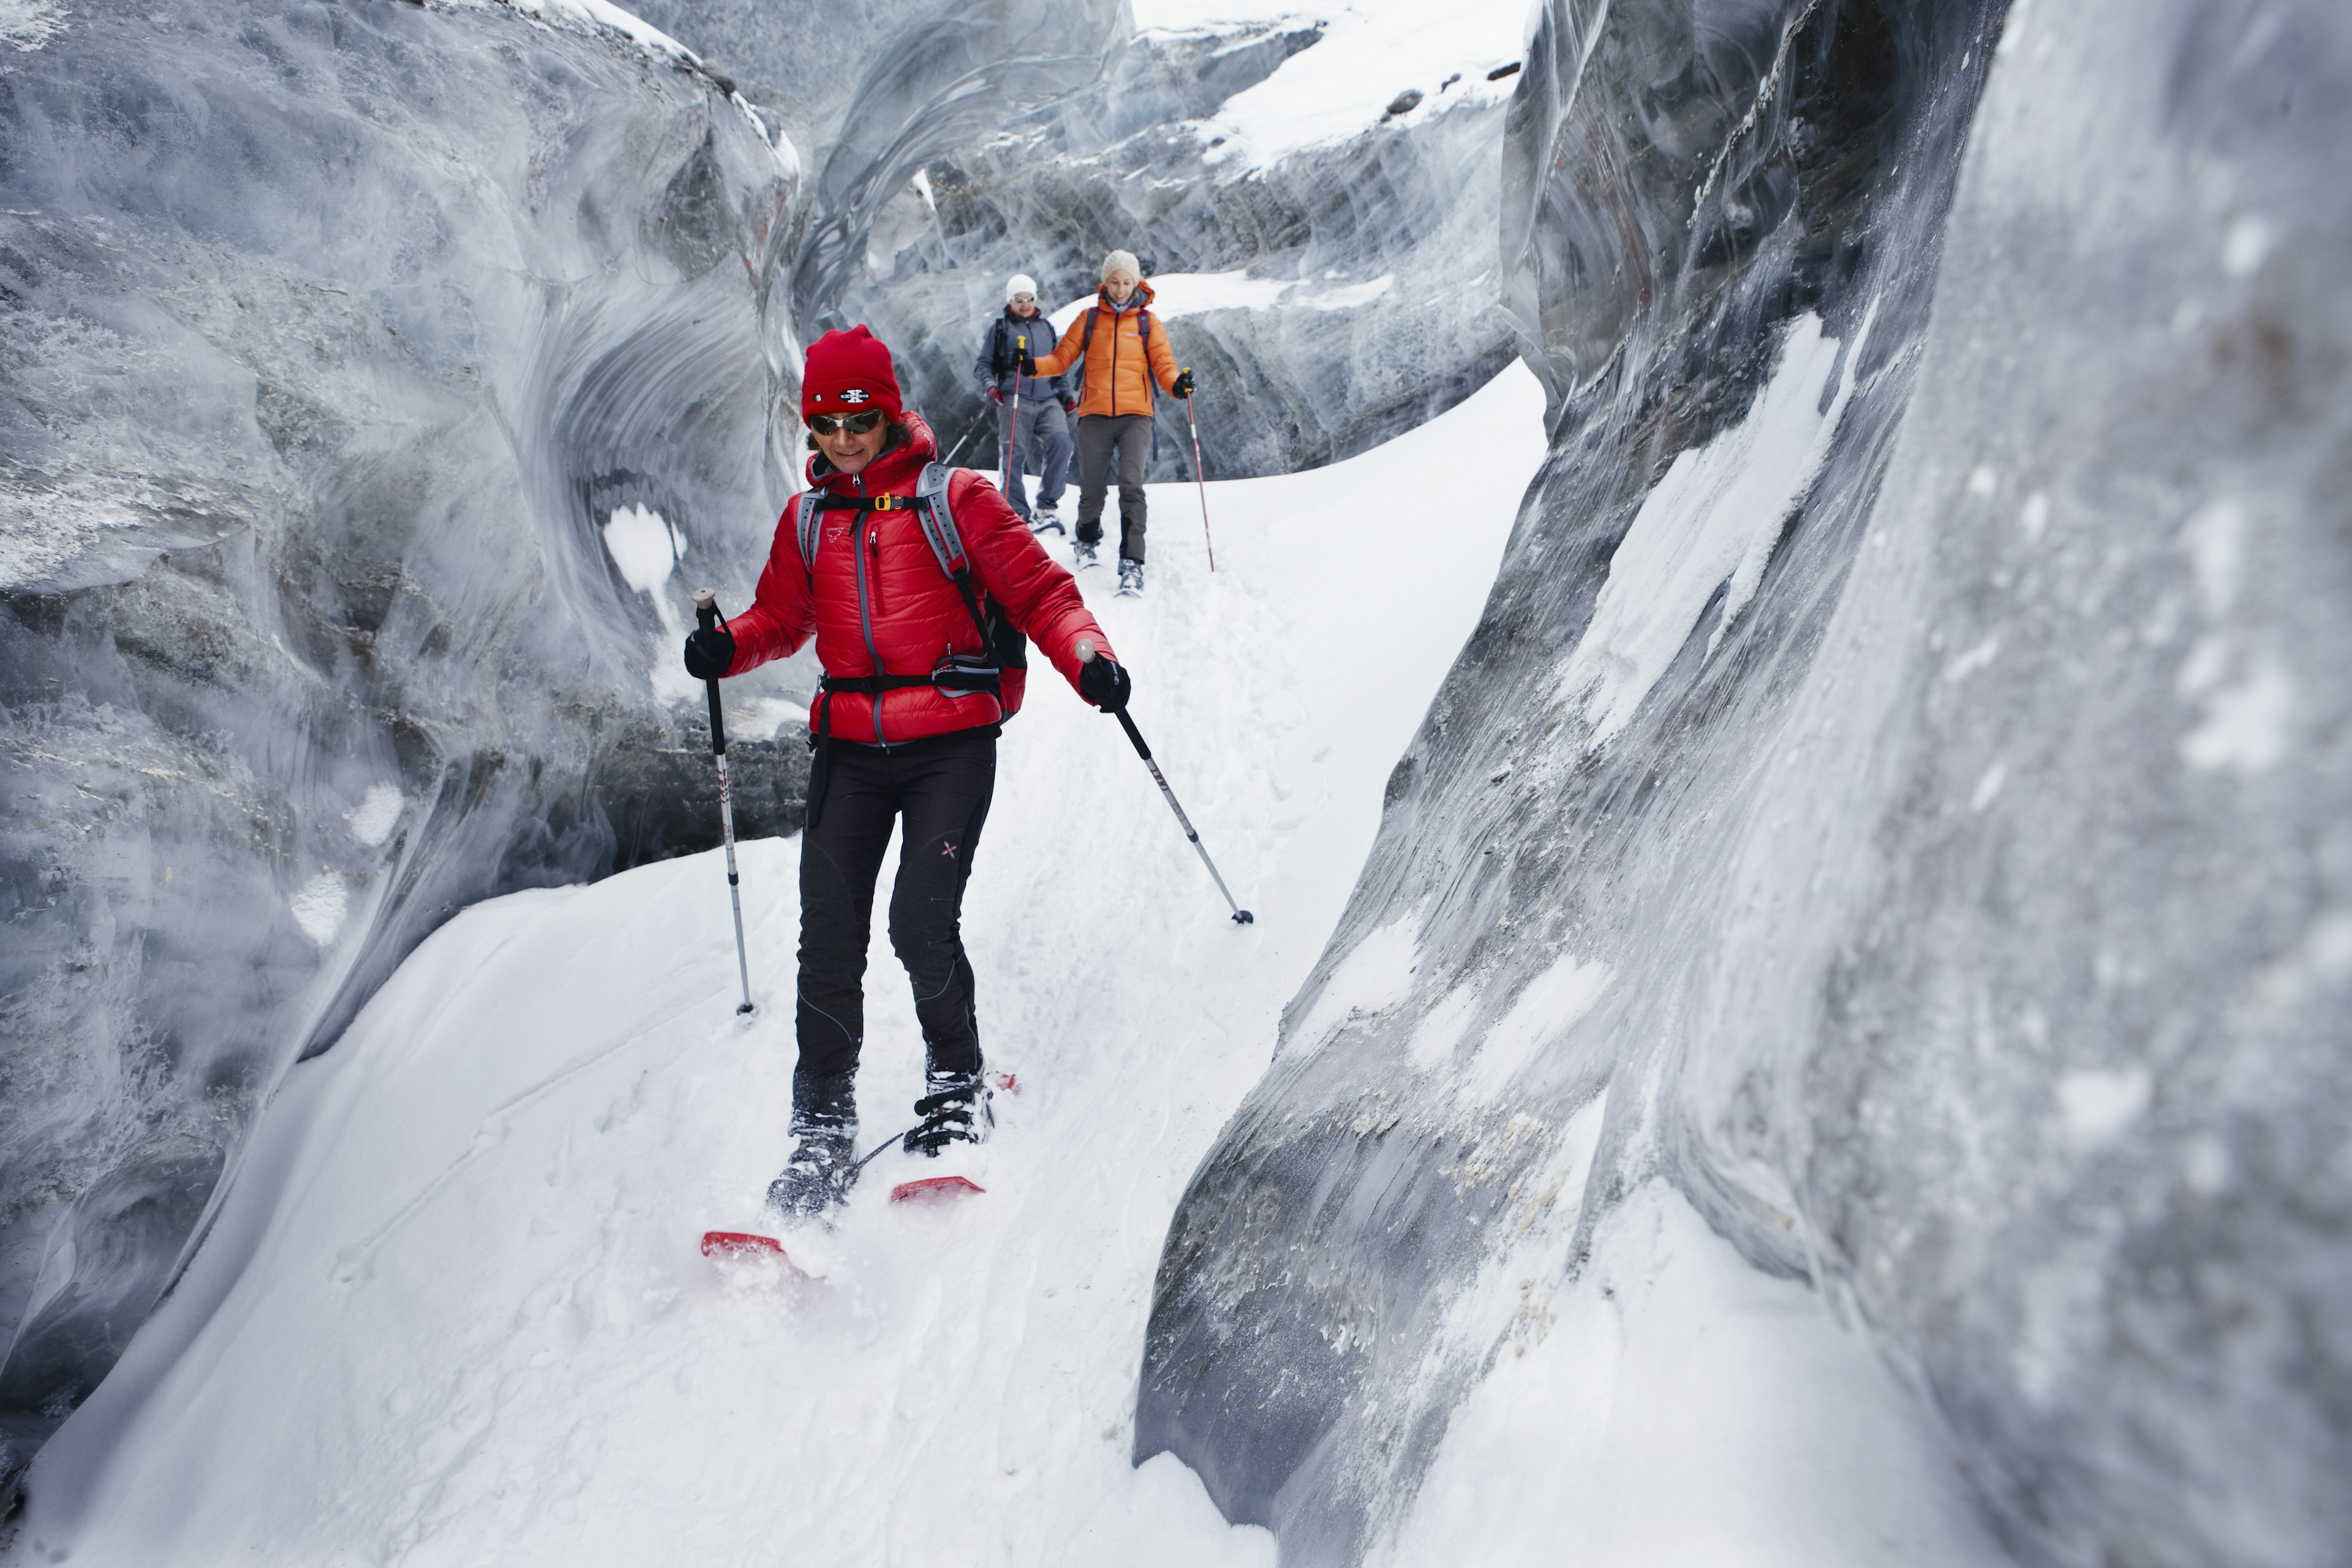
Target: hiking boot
1130	579
818	1177
824	1165
1082	554
954	1111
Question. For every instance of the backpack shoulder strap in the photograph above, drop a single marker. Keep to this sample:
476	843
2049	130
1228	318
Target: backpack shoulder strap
809	508
938	520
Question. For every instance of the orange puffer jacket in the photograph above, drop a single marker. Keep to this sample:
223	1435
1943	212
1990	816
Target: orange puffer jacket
879	603
1121	365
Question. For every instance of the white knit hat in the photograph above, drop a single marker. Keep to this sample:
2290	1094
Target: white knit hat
1020	283
1121	262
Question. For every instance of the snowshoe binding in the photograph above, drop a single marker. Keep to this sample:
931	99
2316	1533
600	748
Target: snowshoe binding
1044	521
1130	579
955	1112
1082	555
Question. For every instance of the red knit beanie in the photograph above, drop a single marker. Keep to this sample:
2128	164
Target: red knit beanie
849	373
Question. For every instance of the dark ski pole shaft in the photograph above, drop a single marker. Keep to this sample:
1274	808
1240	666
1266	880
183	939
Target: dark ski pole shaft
1241	916
1004	473
1202	483
706	615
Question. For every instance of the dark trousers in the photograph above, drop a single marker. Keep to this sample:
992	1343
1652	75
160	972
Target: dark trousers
1043	440
1100	436
940	786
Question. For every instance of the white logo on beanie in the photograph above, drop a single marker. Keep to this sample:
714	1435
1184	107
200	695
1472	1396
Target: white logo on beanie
855	394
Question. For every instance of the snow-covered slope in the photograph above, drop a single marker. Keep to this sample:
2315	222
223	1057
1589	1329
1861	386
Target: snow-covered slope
453	1311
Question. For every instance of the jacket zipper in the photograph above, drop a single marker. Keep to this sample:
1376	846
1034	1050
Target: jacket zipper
865	616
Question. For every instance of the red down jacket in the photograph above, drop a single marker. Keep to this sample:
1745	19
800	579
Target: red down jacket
902	608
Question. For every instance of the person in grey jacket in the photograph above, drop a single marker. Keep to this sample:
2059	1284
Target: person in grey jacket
1033	422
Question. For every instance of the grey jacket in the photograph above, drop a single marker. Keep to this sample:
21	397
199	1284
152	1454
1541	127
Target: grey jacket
995	365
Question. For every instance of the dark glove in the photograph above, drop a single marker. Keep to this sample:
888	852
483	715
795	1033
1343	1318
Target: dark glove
1069	404
1183	387
995	396
1105	683
1025	362
709	652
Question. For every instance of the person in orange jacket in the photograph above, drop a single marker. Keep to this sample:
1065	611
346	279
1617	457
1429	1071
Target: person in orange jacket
1125	351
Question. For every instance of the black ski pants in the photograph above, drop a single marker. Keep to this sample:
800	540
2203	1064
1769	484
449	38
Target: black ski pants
941	787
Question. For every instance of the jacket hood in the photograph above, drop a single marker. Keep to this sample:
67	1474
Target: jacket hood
896	467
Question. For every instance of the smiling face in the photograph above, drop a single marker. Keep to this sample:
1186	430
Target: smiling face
1024	305
849	451
1120	287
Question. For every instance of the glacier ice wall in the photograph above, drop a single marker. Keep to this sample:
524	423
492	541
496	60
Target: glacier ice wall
1903	762
334	337
977	141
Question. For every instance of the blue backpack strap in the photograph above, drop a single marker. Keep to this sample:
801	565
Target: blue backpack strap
938	520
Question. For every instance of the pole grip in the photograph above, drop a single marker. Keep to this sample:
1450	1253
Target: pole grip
706	615
1134	734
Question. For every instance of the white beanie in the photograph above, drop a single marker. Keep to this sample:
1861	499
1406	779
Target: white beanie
1018	284
1120	261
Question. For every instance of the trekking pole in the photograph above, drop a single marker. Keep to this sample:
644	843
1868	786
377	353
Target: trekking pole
1204	485
706	615
1004	482
1242	917
986	417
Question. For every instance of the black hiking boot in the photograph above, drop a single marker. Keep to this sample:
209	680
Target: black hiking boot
823	1166
817	1177
954	1111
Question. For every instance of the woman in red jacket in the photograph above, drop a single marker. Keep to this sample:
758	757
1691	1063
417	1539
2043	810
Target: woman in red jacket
921	671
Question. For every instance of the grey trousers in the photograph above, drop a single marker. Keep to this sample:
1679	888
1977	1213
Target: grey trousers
1100	436
1042	440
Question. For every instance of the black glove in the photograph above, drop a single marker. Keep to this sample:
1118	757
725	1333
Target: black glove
1069	404
1025	362
1183	387
1105	683
709	652
995	396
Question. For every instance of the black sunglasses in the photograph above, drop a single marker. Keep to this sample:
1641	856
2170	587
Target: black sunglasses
856	424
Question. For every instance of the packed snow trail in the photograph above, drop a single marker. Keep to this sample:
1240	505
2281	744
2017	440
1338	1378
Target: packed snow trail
453	1311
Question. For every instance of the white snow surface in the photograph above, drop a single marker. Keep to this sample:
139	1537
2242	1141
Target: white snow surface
1178	294
452	1309
1371	51
1712	522
27	25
